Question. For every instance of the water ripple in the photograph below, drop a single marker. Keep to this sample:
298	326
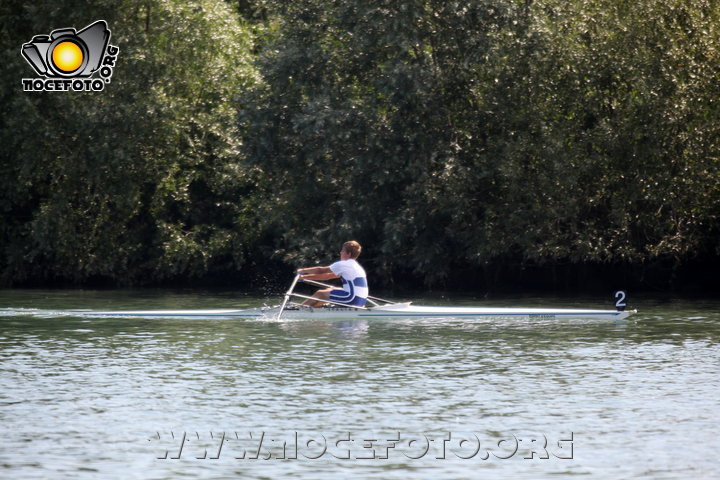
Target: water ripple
105	398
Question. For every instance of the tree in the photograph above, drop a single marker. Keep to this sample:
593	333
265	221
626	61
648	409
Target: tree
461	136
139	182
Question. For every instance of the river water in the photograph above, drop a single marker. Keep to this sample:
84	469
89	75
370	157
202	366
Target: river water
388	399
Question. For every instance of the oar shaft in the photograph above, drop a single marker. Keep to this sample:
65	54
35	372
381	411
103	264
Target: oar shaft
327	285
288	293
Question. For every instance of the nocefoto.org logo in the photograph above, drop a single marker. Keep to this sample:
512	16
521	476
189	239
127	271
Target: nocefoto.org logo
67	59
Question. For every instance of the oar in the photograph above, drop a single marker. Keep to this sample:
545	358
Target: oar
287	295
327	285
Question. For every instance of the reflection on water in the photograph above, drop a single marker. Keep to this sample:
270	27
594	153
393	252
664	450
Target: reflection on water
166	398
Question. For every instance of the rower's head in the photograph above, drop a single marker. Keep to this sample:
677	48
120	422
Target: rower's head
350	249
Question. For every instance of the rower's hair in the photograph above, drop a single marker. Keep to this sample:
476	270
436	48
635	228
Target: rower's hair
353	248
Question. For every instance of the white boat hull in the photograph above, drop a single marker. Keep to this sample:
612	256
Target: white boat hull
488	313
392	311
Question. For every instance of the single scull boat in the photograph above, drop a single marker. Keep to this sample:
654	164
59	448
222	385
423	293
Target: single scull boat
378	308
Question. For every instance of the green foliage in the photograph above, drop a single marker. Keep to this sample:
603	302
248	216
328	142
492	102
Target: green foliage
456	135
139	182
450	138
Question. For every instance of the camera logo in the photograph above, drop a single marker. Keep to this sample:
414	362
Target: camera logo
68	58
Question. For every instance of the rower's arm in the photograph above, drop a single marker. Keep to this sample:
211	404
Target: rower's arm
320	276
317	273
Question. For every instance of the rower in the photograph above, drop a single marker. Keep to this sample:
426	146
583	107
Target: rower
354	291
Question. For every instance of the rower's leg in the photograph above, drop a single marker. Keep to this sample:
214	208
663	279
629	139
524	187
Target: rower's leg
320	294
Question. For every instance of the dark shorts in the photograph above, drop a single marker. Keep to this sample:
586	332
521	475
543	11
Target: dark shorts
346	298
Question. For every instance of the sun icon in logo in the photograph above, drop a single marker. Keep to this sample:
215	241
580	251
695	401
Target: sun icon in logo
67	56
